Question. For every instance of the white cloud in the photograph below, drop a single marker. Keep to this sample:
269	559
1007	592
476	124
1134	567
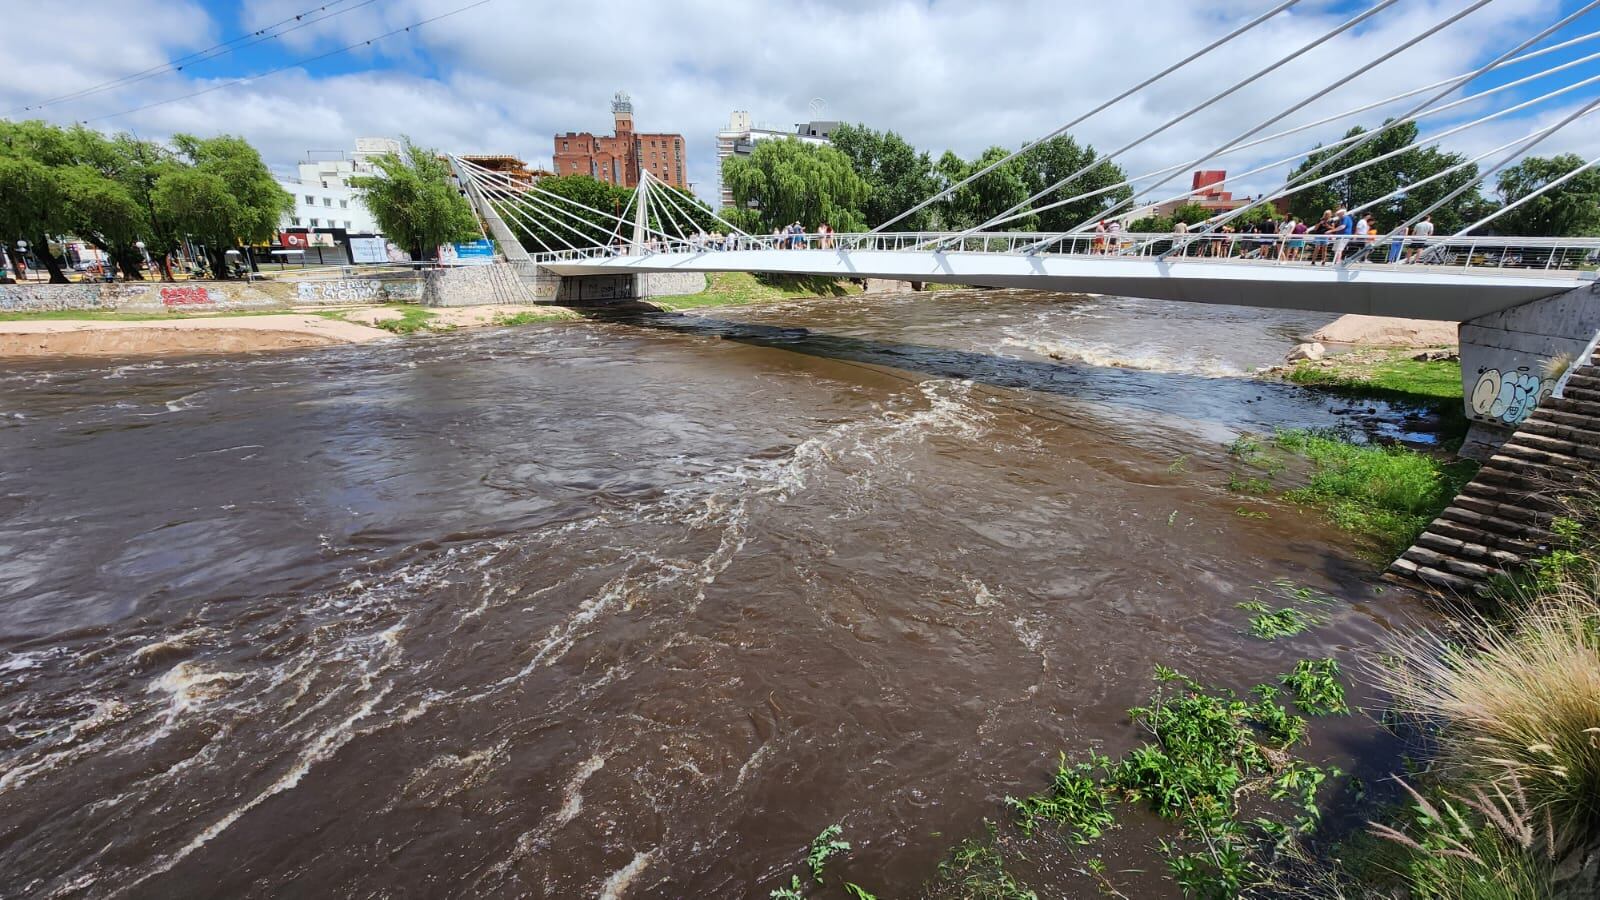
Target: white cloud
508	75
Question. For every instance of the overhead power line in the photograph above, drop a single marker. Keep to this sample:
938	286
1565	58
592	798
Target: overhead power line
215	51
296	64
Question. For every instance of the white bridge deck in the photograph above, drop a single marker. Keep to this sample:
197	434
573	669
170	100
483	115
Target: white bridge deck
1481	277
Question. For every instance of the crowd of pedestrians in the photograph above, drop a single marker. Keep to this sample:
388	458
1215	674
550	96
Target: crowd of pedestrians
1336	234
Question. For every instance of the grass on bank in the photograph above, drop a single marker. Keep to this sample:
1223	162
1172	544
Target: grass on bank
1393	377
743	288
1386	492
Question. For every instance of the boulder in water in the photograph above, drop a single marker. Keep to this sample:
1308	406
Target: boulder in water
1312	350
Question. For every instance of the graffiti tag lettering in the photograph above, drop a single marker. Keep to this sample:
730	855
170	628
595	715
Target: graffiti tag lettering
185	296
352	290
1509	397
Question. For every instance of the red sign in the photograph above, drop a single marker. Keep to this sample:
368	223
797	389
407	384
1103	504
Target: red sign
294	240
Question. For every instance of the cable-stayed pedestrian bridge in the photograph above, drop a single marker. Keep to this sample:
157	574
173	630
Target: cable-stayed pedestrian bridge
1443	279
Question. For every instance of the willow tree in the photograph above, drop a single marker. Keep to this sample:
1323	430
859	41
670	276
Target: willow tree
787	181
1570	209
415	201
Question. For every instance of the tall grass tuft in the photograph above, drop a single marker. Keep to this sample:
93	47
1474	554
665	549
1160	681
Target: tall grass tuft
1516	701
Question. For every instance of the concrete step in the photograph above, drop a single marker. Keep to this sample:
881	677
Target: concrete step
1584	379
1583	394
1540	452
1586	410
1422	556
1406	570
1500	534
1548	414
1512	503
1493	506
1469	550
1512	477
1559	439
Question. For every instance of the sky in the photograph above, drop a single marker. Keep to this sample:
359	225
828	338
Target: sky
505	76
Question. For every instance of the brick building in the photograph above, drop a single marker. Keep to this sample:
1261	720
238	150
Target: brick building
1208	193
618	158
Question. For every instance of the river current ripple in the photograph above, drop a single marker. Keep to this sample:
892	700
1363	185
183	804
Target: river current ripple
623	609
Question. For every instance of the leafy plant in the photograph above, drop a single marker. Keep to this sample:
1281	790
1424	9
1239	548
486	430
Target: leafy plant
975	870
791	892
1270	624
824	847
1316	687
1077	801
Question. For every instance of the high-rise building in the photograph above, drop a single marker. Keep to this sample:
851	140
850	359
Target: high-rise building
740	137
1205	191
620	157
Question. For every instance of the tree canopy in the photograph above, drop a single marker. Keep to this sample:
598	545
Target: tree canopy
797	181
1379	179
897	176
118	192
784	181
415	202
1571	209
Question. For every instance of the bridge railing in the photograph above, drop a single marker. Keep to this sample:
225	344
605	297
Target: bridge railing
1479	254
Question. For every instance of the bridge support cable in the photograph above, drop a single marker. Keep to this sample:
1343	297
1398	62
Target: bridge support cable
528	193
1354	73
1098	109
616	232
1237	86
1474	98
1444	173
1373	135
1421	142
510	247
1539	138
732	228
1554	183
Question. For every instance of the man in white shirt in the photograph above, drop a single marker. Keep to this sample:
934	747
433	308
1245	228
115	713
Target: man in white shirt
1422	232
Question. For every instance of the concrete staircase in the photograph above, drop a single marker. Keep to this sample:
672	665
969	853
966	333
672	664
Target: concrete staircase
1501	519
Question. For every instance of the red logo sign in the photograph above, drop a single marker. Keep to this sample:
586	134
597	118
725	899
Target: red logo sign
294	240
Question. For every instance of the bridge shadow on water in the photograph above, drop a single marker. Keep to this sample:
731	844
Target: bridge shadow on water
1237	403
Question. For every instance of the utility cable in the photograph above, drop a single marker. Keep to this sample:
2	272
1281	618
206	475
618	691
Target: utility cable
297	63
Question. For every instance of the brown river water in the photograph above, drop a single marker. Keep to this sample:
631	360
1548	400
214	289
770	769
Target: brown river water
629	609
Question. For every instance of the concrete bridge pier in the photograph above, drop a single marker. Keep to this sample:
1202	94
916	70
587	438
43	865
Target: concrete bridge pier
1508	361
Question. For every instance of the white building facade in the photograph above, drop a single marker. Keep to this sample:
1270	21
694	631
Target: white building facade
323	197
741	136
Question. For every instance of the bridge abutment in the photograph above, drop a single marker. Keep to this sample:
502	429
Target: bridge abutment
1508	361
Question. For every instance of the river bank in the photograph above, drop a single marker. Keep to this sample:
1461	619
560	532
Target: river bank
70	333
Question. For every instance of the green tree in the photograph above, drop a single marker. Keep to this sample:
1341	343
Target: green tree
1382	178
1190	214
415	202
897	176
987	196
539	227
791	181
31	201
228	171
1571	209
1055	159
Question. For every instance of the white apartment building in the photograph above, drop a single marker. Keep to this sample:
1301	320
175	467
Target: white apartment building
323	198
740	137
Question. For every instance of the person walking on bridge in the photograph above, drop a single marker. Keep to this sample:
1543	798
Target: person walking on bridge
1420	235
1320	236
1345	227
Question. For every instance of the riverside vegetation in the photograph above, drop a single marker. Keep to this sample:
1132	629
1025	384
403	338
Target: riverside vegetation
1502	712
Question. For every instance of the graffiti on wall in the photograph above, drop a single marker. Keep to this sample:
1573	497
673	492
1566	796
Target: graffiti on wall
1508	397
186	296
30	298
348	290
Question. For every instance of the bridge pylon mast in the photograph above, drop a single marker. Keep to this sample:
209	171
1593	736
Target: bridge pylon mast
641	212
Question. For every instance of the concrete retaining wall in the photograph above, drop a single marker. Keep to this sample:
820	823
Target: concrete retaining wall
473	286
1504	356
670	284
187	296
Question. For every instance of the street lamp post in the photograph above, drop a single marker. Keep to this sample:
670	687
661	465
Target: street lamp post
22	253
